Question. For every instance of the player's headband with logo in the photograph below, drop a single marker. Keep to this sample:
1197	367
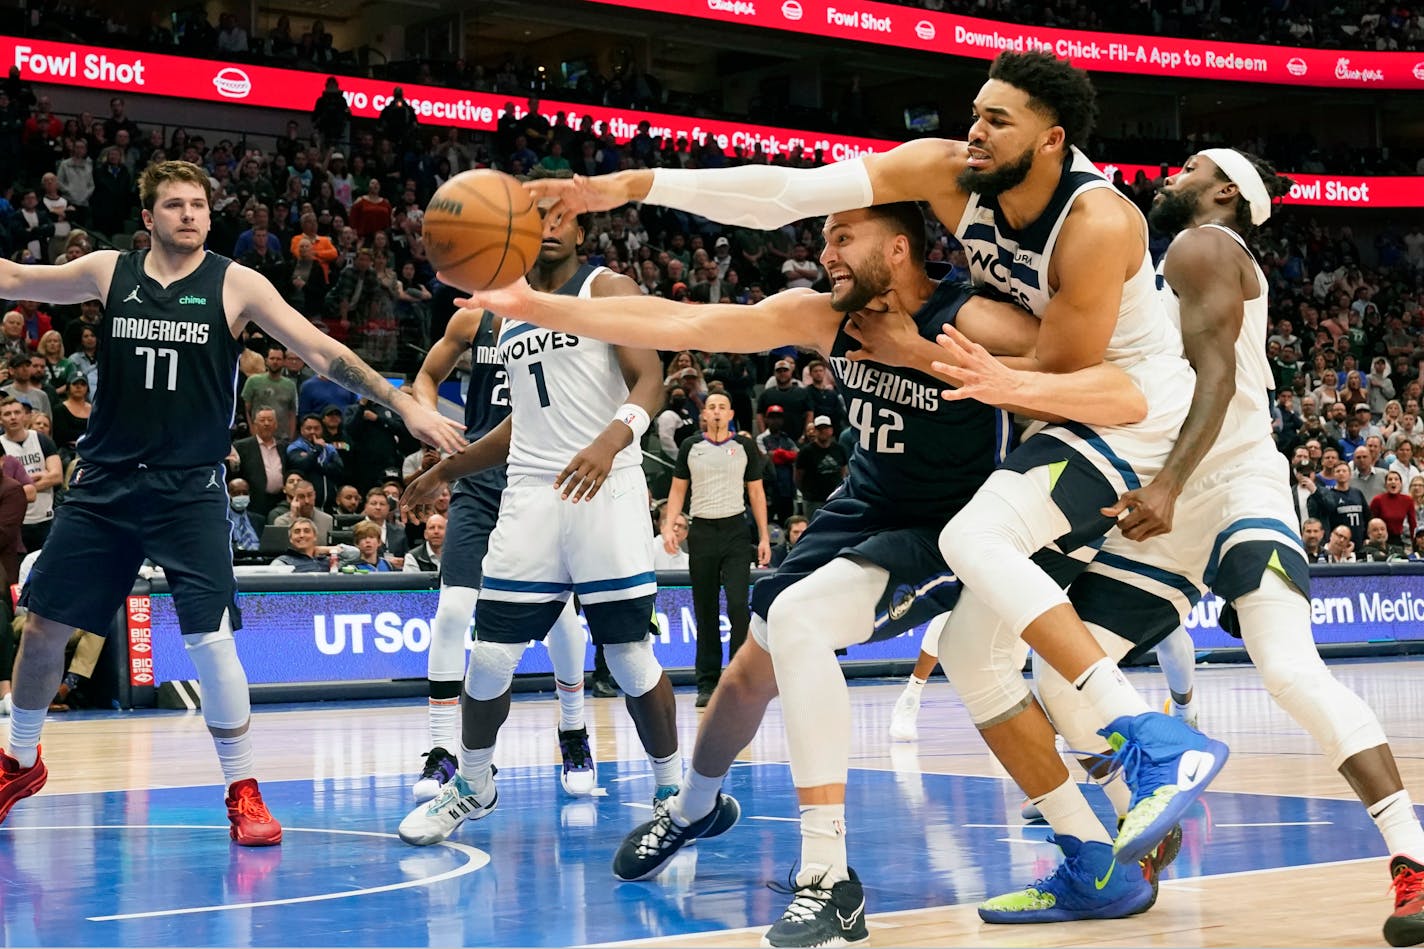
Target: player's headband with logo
1239	169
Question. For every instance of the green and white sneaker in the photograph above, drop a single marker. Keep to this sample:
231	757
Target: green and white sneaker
432	823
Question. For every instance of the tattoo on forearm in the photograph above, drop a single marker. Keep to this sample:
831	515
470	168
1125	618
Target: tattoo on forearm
351	373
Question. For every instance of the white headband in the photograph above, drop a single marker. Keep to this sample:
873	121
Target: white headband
1239	169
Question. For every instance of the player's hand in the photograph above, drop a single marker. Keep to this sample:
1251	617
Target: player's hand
434	429
579	194
423	490
763	552
1144	513
885	330
514	301
584	475
976	372
670	543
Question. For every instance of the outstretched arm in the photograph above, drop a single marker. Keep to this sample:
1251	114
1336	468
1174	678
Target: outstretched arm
85	278
1094	395
248	296
791	318
770	196
491	451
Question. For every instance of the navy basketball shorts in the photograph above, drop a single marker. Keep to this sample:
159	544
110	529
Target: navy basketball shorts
919	588
111	520
472	517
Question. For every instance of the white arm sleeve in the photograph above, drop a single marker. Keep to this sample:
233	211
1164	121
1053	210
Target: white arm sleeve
763	196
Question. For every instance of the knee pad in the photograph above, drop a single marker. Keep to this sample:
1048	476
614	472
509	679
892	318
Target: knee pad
633	666
990	542
983	660
491	669
449	631
833	607
995	519
226	702
1275	627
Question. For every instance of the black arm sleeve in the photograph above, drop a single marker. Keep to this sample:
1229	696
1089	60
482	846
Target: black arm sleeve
681	470
754	462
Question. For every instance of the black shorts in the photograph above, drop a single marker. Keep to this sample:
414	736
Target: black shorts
920	586
111	520
467	533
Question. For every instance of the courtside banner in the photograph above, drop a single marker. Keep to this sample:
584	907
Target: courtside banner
339	636
297	91
348	635
887	24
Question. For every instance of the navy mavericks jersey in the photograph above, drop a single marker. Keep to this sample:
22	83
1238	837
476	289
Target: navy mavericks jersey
917	456
486	402
167	370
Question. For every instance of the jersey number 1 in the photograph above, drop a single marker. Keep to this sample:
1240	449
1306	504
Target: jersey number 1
151	357
537	371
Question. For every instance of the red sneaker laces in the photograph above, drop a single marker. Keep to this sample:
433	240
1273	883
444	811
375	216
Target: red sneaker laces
1408	886
249	804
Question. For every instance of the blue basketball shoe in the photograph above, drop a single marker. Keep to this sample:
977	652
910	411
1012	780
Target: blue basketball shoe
1088	884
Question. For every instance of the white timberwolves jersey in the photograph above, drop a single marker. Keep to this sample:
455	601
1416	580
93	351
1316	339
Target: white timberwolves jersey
564	390
1248	417
1016	263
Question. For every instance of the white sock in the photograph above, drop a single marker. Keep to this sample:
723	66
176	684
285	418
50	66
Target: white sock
1109	692
914	686
5	704
1067	812
25	725
697	797
823	846
444	718
667	771
235	756
1398	824
475	768
1119	794
570	705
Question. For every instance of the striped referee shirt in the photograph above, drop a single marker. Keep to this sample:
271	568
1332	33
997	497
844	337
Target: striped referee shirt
717	471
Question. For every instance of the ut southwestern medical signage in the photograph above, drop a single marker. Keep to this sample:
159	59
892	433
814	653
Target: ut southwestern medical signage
350	635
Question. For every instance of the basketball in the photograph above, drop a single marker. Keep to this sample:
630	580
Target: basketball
482	230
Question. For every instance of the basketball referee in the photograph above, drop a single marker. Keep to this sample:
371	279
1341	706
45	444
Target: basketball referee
718	465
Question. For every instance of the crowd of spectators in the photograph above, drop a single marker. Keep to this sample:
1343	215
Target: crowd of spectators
625	84
331	213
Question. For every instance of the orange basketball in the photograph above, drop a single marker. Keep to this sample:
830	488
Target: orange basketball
482	230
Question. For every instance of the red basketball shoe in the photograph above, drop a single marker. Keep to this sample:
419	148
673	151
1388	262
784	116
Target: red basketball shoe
17	783
252	824
1405	927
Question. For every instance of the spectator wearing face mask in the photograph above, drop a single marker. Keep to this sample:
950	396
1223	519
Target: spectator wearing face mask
245	525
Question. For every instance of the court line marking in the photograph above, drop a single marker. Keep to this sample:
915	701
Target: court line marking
1281	823
475	859
883	918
